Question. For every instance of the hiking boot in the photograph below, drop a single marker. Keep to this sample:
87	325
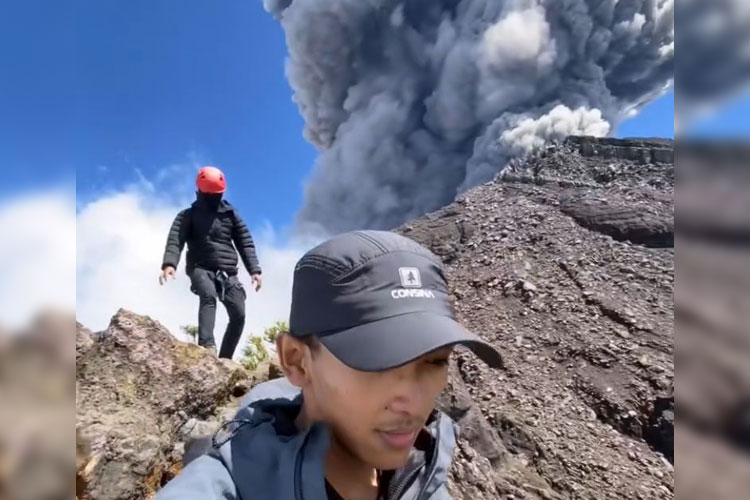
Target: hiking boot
212	350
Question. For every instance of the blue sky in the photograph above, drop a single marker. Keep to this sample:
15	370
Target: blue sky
112	90
118	89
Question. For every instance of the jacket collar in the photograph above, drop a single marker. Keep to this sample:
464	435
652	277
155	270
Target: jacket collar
224	206
269	459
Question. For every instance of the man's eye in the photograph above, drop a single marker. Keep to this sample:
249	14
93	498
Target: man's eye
439	362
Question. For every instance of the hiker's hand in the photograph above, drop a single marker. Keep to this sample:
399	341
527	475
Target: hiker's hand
167	272
257	281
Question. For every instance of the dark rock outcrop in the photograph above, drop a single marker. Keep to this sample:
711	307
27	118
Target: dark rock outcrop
566	264
642	151
623	222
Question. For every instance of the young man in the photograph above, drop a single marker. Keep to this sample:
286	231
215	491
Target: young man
214	233
371	333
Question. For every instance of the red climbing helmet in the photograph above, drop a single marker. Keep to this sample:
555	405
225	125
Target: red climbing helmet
211	180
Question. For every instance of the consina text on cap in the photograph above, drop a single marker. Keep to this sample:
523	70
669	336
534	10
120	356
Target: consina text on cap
402	293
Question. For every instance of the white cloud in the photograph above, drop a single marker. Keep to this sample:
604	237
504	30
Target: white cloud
38	255
520	38
120	242
558	124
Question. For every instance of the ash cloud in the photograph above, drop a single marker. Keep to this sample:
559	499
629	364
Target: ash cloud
411	102
714	38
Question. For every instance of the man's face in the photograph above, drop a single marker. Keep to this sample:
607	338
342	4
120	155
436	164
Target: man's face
376	415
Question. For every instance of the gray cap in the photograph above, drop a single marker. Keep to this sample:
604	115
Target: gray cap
377	300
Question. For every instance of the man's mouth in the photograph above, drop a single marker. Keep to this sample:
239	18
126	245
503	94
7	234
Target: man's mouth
399	439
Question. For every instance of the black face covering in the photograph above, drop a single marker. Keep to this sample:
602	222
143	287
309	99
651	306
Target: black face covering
209	201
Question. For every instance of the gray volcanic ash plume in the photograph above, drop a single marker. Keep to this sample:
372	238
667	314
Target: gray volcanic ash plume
413	101
714	39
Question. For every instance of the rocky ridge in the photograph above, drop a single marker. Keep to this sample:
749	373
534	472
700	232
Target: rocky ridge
584	314
141	395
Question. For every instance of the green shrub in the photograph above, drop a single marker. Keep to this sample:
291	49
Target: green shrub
259	348
191	331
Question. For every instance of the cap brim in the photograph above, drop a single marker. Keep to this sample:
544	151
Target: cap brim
396	341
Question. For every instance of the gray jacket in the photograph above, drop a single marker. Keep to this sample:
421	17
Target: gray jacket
263	457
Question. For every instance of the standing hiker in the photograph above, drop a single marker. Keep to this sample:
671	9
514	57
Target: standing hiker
214	233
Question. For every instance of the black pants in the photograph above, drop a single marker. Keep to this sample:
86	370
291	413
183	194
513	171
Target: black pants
205	286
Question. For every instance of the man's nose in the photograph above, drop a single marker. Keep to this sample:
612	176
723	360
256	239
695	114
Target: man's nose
409	391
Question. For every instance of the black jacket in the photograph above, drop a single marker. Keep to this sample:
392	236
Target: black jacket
211	234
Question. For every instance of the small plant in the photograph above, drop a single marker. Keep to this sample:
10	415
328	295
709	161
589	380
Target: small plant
191	331
274	331
259	348
254	353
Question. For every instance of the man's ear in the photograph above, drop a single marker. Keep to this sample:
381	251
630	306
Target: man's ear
295	359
